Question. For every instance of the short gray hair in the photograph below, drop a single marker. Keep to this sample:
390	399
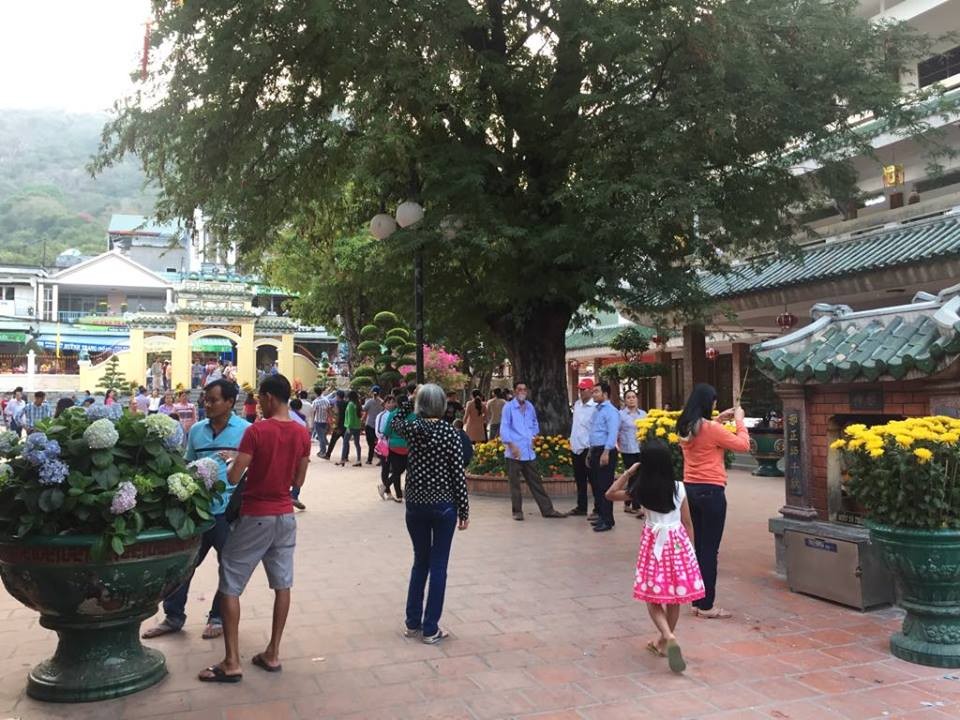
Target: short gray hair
431	401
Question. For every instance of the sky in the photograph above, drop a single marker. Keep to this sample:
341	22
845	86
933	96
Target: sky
73	55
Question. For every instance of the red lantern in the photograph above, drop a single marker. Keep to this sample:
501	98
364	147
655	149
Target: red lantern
712	353
786	320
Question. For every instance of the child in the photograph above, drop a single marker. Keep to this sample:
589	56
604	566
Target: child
667	571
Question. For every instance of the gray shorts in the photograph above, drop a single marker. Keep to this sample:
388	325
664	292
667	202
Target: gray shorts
252	539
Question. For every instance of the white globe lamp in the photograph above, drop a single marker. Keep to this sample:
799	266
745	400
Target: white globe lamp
382	226
409	213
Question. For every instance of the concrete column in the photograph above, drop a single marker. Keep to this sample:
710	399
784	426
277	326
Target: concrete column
169	296
694	358
798	457
285	356
31	370
138	356
181	357
741	361
55	304
573	378
246	356
661	384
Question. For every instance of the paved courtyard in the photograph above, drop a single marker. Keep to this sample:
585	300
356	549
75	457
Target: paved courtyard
542	622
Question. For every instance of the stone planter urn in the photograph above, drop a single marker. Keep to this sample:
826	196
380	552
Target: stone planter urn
95	608
926	571
766	446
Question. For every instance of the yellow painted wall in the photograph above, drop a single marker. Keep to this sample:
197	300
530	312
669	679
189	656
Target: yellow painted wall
90	374
304	370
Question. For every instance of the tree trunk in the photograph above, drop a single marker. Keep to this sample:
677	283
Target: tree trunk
537	349
352	335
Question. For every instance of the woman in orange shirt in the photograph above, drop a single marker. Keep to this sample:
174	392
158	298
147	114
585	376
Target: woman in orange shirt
703	441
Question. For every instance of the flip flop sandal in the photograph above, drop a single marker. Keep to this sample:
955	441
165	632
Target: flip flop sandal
714	614
211	632
264	665
159	630
653	649
217	675
675	657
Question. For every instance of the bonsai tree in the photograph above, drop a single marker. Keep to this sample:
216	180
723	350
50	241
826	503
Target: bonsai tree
631	343
113	378
384	348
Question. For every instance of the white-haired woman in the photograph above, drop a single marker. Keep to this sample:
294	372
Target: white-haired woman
437	504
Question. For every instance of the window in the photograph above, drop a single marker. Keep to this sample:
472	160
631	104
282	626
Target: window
939	67
6	292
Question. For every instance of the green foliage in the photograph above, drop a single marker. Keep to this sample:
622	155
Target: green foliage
627	371
81	503
113	378
369	347
381	353
631	342
386	319
665	133
48	203
369	332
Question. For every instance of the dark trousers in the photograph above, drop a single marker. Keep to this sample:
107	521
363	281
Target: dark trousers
397	465
628	460
494	430
371	434
350	434
602	478
431	529
320	432
174	607
708	510
334	436
581	476
527	470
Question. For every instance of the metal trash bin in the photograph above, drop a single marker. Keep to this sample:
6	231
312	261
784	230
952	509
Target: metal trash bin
847	570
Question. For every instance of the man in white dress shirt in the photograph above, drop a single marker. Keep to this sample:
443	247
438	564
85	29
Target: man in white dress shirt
583	411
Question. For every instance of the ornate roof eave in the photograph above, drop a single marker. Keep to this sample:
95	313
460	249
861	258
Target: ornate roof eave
903	342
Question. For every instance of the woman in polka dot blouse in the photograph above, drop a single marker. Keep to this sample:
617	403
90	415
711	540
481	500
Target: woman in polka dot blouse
437	503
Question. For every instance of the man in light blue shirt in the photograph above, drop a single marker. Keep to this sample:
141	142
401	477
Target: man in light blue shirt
583	411
518	428
217	437
603	453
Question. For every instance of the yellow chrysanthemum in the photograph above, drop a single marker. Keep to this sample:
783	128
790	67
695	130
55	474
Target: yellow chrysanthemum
660	432
876	452
855	429
673	437
838	444
923	455
904	440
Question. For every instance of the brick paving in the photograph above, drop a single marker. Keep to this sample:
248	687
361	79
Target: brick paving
542	622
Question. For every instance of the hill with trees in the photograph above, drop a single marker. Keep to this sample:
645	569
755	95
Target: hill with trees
48	200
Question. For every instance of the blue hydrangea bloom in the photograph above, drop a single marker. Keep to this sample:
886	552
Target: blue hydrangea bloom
53	472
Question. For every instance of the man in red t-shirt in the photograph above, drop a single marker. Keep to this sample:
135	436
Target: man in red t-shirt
275	453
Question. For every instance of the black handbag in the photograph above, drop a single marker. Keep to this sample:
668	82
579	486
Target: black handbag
233	507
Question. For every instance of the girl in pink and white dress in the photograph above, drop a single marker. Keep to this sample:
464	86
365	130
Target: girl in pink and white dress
667	574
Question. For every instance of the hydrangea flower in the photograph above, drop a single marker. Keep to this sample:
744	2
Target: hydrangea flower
8	440
208	470
143	484
125	498
101	434
181	485
98	411
161	426
53	472
174	441
38	449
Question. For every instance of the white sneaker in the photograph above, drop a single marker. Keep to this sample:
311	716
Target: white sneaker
382	489
411	632
435	638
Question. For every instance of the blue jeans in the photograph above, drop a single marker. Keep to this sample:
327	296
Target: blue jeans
174	607
350	434
320	433
431	529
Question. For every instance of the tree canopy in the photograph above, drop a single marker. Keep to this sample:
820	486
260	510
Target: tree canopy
566	151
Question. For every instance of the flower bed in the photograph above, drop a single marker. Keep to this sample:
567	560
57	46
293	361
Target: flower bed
553	457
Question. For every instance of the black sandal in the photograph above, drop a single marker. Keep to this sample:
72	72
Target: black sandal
264	665
217	675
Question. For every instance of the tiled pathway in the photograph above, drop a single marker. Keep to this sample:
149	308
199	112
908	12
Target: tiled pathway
543	627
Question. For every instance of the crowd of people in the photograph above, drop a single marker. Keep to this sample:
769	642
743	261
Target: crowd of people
263	446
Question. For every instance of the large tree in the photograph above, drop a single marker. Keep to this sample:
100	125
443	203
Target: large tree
564	149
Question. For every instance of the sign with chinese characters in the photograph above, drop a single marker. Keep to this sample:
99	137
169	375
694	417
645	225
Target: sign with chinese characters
866	399
793	464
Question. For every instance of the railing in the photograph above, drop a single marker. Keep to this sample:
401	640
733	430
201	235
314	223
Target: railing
46	364
72	316
306	353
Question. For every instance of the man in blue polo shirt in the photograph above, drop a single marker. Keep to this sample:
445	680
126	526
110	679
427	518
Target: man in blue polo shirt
217	437
602	461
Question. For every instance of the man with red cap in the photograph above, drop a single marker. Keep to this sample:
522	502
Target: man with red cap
583	411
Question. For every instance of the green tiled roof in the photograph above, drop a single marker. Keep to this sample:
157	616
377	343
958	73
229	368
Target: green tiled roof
598	337
914	340
903	245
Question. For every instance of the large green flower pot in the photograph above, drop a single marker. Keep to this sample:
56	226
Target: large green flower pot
926	570
766	446
96	609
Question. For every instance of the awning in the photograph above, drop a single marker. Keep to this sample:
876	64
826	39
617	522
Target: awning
212	344
90	343
12	336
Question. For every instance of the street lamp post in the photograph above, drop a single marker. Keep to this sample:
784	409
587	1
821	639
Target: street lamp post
382	226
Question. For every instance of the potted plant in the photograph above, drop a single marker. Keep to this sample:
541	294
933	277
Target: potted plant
99	520
905	476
